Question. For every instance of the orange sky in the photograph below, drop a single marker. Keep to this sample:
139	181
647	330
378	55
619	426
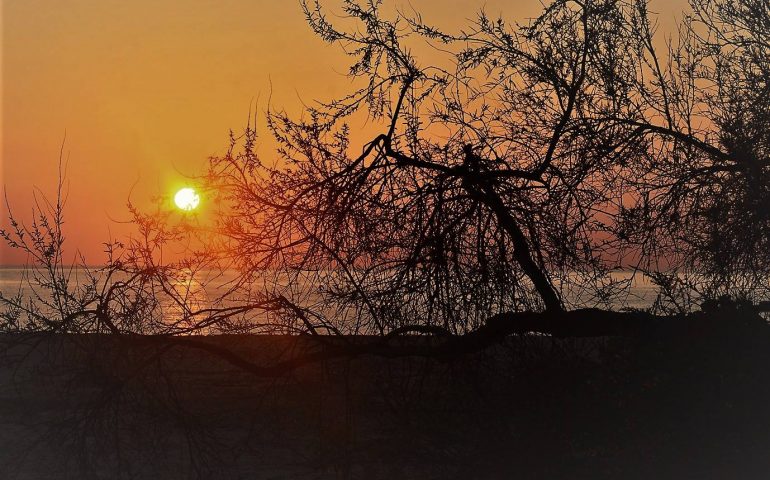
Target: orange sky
148	89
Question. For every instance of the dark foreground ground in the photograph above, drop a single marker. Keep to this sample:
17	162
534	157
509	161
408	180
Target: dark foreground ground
676	405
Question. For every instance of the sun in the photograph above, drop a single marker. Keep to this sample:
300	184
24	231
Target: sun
187	199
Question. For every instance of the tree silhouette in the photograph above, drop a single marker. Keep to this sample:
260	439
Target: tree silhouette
514	176
509	178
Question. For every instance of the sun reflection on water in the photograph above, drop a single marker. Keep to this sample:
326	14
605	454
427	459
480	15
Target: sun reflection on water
187	297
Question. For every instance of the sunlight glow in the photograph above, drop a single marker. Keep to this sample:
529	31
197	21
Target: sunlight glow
187	199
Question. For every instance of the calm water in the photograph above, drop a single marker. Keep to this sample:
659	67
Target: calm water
200	289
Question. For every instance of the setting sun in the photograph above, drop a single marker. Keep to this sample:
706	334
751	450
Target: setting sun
187	199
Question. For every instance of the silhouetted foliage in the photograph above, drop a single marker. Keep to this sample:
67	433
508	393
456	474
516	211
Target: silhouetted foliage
509	180
519	170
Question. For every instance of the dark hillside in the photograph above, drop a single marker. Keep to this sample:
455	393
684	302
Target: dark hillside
671	405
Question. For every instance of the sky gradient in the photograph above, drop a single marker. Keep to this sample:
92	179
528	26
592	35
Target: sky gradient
147	90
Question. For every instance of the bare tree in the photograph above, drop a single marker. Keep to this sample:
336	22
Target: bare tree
510	177
516	175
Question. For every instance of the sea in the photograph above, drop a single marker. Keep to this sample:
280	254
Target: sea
201	287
